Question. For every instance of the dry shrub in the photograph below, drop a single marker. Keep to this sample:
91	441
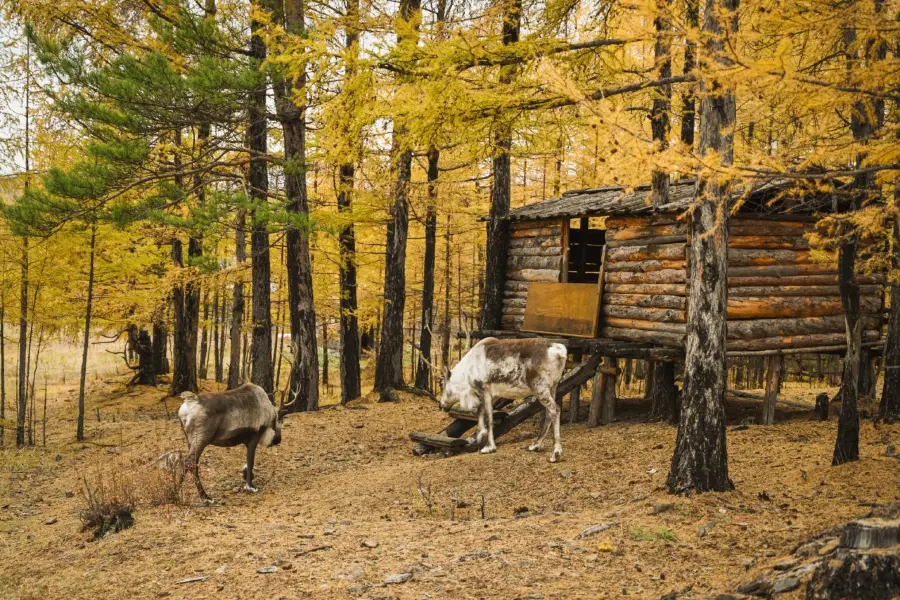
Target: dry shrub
116	487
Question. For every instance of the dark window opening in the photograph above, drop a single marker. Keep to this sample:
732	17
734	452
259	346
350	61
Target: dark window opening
585	250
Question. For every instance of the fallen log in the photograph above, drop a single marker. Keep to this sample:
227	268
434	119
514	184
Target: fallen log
762	398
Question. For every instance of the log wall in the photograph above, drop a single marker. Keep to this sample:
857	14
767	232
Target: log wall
779	296
536	253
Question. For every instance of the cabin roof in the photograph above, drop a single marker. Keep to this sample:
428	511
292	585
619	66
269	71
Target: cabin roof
618	200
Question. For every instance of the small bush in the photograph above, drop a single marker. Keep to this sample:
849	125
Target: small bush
109	502
660	533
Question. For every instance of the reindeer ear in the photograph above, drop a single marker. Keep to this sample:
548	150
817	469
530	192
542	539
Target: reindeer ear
446	376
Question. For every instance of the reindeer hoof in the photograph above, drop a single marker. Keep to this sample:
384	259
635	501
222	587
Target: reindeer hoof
556	456
207	501
533	448
250	488
488	449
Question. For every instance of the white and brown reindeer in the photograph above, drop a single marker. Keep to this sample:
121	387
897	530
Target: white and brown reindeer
513	369
244	415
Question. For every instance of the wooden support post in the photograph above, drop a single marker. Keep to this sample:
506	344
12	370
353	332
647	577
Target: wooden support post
608	403
574	404
596	399
774	365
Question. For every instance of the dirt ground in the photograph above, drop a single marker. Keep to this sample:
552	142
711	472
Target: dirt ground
344	506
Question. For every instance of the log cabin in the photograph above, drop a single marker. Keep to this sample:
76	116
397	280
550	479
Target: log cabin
606	272
605	264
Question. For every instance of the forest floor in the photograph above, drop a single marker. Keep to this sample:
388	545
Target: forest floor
344	506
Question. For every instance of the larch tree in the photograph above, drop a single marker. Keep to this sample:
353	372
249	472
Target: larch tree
700	460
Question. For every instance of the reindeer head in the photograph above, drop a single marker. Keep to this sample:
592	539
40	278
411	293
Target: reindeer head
449	394
283	411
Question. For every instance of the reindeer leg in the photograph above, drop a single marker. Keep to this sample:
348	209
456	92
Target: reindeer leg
488	404
248	472
482	426
192	463
556	455
545	425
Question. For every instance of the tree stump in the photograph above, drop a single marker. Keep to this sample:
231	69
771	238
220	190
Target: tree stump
822	406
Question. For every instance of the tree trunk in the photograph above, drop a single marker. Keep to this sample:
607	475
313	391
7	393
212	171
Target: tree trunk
79	433
304	378
498	226
445	329
662	100
389	362
688	99
237	304
325	355
423	372
700	461
662	392
351	385
23	347
2	366
889	409
846	447
202	366
218	317
261	372
186	303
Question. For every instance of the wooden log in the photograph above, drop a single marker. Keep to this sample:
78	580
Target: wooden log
664	276
536	223
866	534
534	262
797	290
623	234
739	257
514	303
798	226
832	349
679	328
533	274
636	335
797	341
639	253
437	440
596	399
782	270
762	398
544	241
644	222
792	306
472	415
608	402
574	405
798	280
649	301
536	251
647	241
518	286
535	232
507	294
645	265
671	289
458	427
774	365
768	242
749	329
510	310
659	315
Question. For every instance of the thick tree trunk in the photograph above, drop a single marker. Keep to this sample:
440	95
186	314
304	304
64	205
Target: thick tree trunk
846	447
22	406
700	461
158	347
237	304
79	432
423	372
389	362
261	372
304	379
498	226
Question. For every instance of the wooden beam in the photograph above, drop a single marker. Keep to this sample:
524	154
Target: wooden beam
596	399
608	403
774	364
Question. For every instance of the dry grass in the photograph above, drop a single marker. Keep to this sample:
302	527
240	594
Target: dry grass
344	505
